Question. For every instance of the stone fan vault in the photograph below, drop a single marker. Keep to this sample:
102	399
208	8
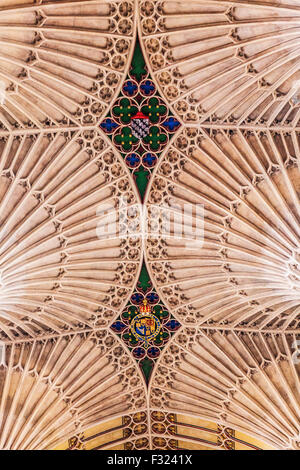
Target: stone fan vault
144	342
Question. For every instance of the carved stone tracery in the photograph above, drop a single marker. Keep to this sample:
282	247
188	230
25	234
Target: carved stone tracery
231	68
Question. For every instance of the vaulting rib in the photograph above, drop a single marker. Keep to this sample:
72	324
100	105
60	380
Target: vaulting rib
59	271
62	62
234	63
248	382
243	270
51	390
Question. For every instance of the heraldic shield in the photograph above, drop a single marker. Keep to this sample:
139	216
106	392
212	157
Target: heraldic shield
140	125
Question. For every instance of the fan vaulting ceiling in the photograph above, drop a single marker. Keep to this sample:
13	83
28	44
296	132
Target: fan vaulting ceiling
227	81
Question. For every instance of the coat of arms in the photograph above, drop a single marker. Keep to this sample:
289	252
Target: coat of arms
140	125
145	326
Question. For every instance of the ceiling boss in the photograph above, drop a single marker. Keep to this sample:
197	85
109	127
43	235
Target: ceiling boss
145	326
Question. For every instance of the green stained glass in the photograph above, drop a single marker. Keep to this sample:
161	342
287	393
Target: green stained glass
140	124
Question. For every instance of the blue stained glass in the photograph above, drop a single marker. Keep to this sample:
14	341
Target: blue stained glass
132	160
130	88
118	326
147	87
139	352
149	159
152	298
171	124
137	298
153	352
173	325
109	125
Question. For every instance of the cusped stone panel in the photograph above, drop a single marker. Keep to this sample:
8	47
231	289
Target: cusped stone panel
61	267
179	431
62	62
230	62
242	267
243	381
53	389
126	432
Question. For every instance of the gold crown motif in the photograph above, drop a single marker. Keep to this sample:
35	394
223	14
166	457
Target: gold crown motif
145	308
